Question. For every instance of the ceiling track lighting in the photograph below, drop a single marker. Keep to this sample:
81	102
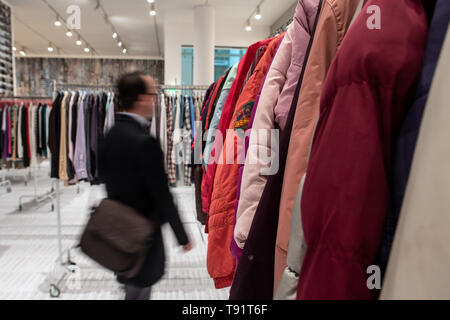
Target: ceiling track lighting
120	44
14	49
50	47
22	52
114	35
150	1
79	42
87	50
124	50
69	33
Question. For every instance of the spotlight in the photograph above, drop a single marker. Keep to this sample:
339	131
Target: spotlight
58	22
258	15
248	27
50	47
124	50
69	34
120	44
79	42
87	50
22	53
150	1
153	11
14	49
115	35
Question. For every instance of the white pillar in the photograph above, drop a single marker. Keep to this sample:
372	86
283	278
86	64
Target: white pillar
204	39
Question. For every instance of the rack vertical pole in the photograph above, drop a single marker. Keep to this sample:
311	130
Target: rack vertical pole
58	215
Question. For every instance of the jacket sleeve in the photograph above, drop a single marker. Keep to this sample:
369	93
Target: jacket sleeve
156	183
253	182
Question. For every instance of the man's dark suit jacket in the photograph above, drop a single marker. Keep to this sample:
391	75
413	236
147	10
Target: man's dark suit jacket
132	167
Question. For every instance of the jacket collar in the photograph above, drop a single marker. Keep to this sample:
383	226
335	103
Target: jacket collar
126	118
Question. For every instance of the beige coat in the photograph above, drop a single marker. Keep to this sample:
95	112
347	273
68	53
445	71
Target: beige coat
420	258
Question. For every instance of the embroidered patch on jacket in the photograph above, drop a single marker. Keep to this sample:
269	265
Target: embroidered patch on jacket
243	115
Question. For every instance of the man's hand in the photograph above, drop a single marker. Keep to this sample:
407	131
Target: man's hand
188	247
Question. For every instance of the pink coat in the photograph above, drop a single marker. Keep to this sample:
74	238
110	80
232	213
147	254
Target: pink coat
274	104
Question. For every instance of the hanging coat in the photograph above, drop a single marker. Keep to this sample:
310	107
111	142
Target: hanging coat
334	20
255	273
406	141
345	196
273	108
419	262
227	113
236	251
217	114
220	262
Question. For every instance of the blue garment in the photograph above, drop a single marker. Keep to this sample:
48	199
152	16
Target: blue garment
407	138
192	108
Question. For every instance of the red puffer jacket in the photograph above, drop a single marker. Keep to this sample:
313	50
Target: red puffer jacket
220	262
227	113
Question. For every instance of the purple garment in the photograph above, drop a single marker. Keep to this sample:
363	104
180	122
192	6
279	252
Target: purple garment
235	250
80	145
5	132
8	149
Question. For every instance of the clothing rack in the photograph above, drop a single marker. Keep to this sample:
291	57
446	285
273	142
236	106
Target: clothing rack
57	86
35	196
68	266
183	87
25	98
6	183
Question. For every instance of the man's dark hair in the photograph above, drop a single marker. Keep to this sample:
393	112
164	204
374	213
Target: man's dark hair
129	87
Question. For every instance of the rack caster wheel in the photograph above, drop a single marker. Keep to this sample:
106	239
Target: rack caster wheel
20	207
53	208
54	291
8	190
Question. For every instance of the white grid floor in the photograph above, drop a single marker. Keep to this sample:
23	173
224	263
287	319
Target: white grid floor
28	249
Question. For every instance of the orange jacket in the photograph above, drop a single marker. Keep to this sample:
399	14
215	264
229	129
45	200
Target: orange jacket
220	262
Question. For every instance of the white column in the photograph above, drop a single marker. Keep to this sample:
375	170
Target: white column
204	39
176	35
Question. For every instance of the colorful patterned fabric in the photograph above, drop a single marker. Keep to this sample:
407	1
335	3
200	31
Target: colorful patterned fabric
187	139
171	170
243	115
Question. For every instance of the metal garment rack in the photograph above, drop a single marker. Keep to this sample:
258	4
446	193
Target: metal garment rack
6	183
183	87
35	197
65	261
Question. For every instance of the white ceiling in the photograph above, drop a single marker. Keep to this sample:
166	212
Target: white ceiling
33	23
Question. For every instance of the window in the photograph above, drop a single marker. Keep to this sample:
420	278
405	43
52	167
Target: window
187	65
224	58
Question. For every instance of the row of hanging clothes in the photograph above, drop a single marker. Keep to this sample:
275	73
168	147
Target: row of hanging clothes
77	124
24	131
175	125
306	148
